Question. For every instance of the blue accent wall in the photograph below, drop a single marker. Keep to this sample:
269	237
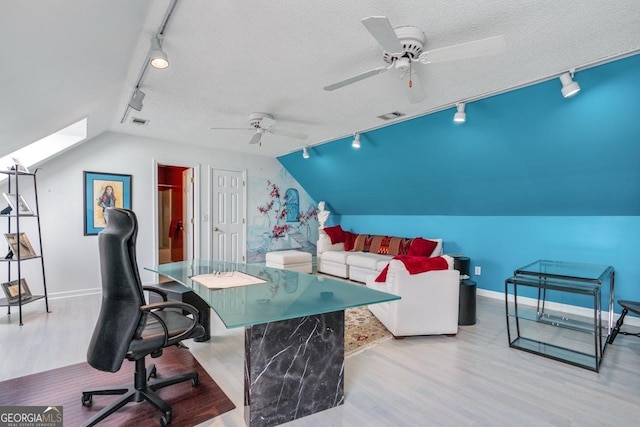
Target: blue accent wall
526	152
501	244
529	176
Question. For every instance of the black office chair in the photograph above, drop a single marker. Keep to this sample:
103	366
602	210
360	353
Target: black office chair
627	306
127	327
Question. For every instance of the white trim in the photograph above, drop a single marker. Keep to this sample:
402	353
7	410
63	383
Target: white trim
565	308
73	294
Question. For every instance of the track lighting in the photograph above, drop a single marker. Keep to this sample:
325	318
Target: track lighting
157	56
460	116
569	87
356	141
305	153
136	100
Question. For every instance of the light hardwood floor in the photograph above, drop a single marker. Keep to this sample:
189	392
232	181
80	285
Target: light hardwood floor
472	379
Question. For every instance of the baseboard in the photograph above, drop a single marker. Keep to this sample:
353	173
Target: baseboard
565	308
76	293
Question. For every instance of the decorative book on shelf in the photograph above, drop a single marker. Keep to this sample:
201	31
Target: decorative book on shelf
20	245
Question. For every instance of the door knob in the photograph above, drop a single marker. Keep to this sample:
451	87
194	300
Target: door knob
216	229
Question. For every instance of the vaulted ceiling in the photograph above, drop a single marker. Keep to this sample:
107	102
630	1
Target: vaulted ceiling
68	59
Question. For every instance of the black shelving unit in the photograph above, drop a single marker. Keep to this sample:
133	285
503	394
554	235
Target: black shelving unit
13	220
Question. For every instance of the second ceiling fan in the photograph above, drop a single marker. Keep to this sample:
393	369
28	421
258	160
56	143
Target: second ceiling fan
404	46
261	123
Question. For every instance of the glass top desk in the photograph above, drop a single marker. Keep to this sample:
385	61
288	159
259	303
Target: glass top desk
294	333
552	281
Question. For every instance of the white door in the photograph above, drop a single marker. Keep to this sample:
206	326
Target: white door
227	222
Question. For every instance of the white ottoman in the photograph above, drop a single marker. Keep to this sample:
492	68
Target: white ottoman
290	260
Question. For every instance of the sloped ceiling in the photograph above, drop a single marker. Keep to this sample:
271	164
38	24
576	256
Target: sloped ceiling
526	152
68	59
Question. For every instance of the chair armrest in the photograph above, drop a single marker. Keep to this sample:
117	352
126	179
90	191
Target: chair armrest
158	291
149	310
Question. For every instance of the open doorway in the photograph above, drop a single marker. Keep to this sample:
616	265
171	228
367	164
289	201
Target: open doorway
175	213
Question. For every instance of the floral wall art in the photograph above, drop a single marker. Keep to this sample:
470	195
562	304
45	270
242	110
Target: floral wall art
281	216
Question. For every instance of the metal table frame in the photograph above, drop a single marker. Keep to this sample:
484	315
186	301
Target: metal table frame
534	276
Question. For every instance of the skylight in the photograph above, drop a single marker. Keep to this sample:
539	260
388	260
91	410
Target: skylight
47	147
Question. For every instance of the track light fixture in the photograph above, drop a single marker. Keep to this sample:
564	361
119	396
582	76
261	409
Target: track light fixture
157	56
569	87
356	141
460	116
305	153
136	100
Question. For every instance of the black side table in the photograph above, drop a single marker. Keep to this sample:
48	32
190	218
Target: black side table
178	292
467	307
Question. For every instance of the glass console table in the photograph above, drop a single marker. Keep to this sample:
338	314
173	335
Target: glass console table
294	333
543	327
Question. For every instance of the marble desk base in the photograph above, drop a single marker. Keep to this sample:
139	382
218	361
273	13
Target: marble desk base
293	368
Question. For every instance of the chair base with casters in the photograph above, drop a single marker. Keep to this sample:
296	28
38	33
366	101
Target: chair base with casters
627	306
140	391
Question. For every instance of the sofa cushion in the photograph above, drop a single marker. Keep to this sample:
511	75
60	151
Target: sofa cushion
349	240
422	247
336	256
385	245
368	260
438	250
335	233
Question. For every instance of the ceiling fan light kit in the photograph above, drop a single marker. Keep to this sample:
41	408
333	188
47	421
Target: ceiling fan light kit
569	87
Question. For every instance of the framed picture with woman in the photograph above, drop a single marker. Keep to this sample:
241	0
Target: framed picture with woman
102	191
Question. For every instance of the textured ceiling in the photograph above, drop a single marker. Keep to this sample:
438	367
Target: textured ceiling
68	59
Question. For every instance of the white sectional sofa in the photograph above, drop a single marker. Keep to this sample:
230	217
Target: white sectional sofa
355	265
428	304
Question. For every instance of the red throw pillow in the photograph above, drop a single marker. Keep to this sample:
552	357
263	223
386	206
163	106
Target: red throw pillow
349	240
335	233
421	247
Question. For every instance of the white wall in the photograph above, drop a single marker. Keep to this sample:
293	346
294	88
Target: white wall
71	259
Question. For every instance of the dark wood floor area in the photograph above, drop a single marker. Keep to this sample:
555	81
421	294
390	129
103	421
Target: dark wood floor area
62	387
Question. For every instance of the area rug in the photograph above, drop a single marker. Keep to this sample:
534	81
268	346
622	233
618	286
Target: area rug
63	387
362	330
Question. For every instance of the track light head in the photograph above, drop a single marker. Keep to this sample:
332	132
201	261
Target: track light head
569	87
460	116
305	153
356	141
136	100
157	56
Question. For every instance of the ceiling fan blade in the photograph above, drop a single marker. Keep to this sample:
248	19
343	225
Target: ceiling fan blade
287	133
415	92
381	29
256	138
267	122
488	46
231	128
357	78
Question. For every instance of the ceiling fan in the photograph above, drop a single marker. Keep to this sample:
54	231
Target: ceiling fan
261	123
404	46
